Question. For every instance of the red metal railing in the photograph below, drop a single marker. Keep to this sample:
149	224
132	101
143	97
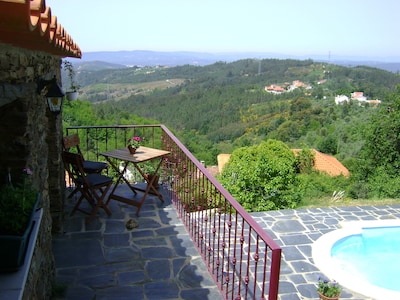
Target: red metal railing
241	257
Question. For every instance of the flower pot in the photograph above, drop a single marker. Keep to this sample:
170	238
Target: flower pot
323	297
72	96
13	247
131	149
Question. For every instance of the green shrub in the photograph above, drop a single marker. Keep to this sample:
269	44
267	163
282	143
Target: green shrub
262	177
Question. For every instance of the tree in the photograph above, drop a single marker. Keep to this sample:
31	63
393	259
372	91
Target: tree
305	161
379	167
328	145
382	147
262	177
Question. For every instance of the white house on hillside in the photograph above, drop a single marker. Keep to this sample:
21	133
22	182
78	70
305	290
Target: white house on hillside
356	96
340	99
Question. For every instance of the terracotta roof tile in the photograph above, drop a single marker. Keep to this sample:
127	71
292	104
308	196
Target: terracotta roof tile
323	163
30	24
222	160
327	163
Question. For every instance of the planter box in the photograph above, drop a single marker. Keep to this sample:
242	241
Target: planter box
12	284
13	247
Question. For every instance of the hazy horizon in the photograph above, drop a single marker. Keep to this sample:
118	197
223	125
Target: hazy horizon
258	55
356	28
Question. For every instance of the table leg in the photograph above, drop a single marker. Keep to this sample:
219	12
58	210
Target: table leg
150	185
120	176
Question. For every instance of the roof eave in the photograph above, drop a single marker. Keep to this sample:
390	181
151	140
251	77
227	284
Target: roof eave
30	25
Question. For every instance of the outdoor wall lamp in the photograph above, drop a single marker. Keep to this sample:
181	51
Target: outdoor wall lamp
54	94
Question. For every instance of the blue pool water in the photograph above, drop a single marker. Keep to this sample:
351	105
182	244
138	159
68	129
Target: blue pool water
373	256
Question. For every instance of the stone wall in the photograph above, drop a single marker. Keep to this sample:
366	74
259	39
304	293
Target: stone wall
31	137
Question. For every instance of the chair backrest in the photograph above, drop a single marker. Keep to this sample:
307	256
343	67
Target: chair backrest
71	141
73	163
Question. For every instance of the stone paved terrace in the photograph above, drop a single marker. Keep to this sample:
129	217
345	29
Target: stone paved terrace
158	260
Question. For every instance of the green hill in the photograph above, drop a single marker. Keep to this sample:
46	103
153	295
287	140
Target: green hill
219	107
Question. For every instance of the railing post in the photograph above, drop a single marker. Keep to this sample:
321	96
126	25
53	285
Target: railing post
275	272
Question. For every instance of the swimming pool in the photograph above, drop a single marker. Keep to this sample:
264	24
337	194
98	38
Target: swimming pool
361	256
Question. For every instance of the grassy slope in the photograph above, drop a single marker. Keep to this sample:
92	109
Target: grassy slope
118	91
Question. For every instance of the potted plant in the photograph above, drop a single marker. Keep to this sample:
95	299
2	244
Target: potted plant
72	93
328	290
17	207
134	143
150	172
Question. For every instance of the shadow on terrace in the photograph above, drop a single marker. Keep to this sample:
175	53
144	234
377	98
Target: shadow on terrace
105	260
197	244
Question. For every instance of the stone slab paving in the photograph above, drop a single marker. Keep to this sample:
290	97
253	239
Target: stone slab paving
296	230
105	260
158	260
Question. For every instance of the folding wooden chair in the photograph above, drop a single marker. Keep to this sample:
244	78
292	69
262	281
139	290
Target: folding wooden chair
93	186
89	166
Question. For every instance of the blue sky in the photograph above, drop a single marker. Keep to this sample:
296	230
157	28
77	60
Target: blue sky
357	28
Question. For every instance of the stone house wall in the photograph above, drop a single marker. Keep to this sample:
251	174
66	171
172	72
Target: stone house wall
31	137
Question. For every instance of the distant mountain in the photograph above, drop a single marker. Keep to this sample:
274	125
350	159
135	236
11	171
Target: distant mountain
120	59
388	66
154	58
97	65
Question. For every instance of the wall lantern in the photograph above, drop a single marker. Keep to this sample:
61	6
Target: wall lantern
54	94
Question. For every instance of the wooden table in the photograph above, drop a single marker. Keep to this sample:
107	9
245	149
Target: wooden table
141	155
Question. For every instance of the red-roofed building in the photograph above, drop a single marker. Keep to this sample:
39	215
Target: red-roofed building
322	163
327	163
358	96
275	89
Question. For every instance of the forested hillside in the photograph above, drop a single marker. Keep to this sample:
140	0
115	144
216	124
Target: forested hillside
223	107
219	107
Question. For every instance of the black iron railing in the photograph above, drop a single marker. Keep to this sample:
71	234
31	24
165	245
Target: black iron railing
241	257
